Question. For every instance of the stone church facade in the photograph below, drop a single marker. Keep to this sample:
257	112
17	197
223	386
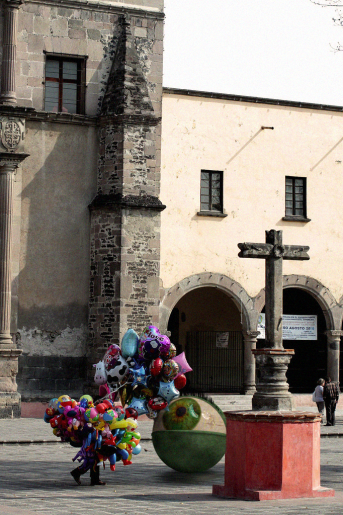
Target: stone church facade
111	219
81	91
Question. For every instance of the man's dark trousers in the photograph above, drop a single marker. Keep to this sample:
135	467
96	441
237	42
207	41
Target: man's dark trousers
330	412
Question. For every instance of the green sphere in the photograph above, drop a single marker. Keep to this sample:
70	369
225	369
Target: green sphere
191	435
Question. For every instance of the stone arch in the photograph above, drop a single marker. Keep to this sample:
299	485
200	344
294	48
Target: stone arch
233	289
332	311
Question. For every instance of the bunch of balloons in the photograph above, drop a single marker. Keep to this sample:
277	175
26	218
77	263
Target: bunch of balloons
94	428
144	370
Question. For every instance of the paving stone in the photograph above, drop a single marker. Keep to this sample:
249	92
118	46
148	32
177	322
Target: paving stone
36	479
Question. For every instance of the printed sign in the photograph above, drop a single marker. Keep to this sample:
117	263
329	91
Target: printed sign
294	327
222	340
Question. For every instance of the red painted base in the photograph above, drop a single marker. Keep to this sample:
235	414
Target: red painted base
272	455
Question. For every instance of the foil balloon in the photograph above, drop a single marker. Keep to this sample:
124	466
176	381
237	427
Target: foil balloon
168	391
170	370
149	333
151	349
139	377
100	373
140	405
129	343
172	352
156	367
117	372
180	381
183	364
157	403
111	356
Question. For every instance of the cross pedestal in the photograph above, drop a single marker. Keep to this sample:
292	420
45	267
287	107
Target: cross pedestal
272	452
272	455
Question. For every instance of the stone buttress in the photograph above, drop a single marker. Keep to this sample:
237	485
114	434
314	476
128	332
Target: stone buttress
125	214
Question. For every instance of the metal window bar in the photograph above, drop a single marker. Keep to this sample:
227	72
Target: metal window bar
295	196
211	191
215	369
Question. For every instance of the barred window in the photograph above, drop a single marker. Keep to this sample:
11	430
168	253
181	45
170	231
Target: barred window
296	197
211	191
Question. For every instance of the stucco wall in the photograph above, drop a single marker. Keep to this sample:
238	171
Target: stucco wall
220	134
58	184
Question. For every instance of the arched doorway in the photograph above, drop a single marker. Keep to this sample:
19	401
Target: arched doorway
207	325
310	359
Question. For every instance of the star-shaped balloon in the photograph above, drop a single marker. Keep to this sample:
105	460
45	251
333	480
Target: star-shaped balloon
168	391
139	376
183	364
140	405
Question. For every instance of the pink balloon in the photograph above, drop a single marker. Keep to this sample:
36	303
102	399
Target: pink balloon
183	364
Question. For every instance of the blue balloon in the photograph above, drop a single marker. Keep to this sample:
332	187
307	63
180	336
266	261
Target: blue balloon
140	405
139	376
137	449
129	343
47	418
168	391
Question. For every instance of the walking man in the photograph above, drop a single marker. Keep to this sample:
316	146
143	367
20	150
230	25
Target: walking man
330	396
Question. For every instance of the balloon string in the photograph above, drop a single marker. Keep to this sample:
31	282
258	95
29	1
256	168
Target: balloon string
107	396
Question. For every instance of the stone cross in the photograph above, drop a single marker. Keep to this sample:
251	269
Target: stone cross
274	253
273	360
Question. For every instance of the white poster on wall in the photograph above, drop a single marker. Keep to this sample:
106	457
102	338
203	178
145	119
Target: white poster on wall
222	340
294	327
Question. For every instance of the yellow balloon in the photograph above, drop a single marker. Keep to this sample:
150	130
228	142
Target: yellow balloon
118	424
131	423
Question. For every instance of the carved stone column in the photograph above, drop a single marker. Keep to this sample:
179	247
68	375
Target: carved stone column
12	130
250	338
333	346
7	169
8	92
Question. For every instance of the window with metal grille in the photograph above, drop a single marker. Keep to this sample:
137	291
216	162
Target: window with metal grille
211	192
296	197
64	84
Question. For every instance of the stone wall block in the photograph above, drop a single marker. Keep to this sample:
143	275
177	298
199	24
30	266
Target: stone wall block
34	82
159	29
36	69
35	43
140	32
8	368
24	92
7	385
25	22
37	98
94	34
75	24
59	27
41	25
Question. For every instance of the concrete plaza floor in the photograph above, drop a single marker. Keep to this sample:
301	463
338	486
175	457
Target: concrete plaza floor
35	478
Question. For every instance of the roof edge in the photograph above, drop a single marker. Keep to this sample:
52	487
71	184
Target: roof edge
254	100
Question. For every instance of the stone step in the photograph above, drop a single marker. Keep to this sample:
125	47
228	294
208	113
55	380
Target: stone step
232	402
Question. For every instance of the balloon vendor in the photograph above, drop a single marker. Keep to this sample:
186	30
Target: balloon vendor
145	375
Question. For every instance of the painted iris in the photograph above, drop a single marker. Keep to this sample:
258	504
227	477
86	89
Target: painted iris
183	414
